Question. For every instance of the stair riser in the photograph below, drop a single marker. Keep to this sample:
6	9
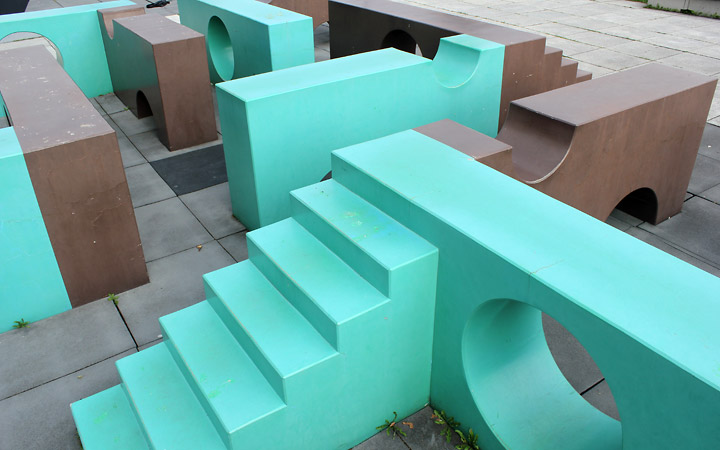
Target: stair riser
222	432
248	344
342	245
296	296
133	407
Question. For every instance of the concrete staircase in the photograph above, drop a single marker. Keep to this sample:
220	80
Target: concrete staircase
329	322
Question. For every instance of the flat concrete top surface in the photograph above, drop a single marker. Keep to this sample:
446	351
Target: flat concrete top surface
46	106
157	29
614	93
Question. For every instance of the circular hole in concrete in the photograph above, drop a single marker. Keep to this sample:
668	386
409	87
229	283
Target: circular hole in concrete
27	39
221	51
518	388
401	40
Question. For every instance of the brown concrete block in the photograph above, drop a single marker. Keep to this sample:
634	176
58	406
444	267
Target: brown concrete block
317	9
159	67
74	162
627	140
364	25
478	146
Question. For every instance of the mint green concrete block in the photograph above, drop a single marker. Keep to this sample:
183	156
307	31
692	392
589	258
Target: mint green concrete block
31	286
75	31
247	37
279	128
508	252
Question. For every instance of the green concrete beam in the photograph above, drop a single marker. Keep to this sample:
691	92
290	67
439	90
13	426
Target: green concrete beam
247	37
279	128
509	253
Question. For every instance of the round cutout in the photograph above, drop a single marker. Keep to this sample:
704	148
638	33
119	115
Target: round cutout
519	389
221	50
27	39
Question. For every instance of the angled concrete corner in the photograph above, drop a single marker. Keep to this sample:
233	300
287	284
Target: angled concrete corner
325	106
317	9
76	34
158	69
248	37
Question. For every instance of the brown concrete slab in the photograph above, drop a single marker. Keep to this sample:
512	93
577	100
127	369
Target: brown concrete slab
74	162
364	25
156	69
628	140
317	9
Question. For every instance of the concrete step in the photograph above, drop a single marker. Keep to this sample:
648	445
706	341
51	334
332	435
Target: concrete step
368	240
279	340
315	280
106	421
230	387
165	405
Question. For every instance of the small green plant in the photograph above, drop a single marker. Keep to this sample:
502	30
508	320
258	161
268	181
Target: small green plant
392	427
21	324
112	298
451	426
469	442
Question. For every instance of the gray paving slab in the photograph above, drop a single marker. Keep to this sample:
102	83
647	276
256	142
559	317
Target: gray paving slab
58	345
643	50
601	397
695	230
321	55
131	125
705	175
617	223
97	106
152	149
598	39
574	361
570	47
129	154
41	419
625	217
665	246
211	206
175	283
696	63
610	59
110	103
168	227
712	194
425	433
710	144
146	186
236	245
40	5
381	441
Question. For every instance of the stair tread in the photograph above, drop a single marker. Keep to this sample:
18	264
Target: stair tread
169	411
106	420
232	384
379	235
335	287
281	333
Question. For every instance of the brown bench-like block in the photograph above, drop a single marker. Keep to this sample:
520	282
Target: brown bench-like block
73	158
159	67
358	26
627	140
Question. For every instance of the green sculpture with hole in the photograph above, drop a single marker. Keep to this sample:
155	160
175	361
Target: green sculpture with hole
248	37
332	104
415	275
31	286
75	32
